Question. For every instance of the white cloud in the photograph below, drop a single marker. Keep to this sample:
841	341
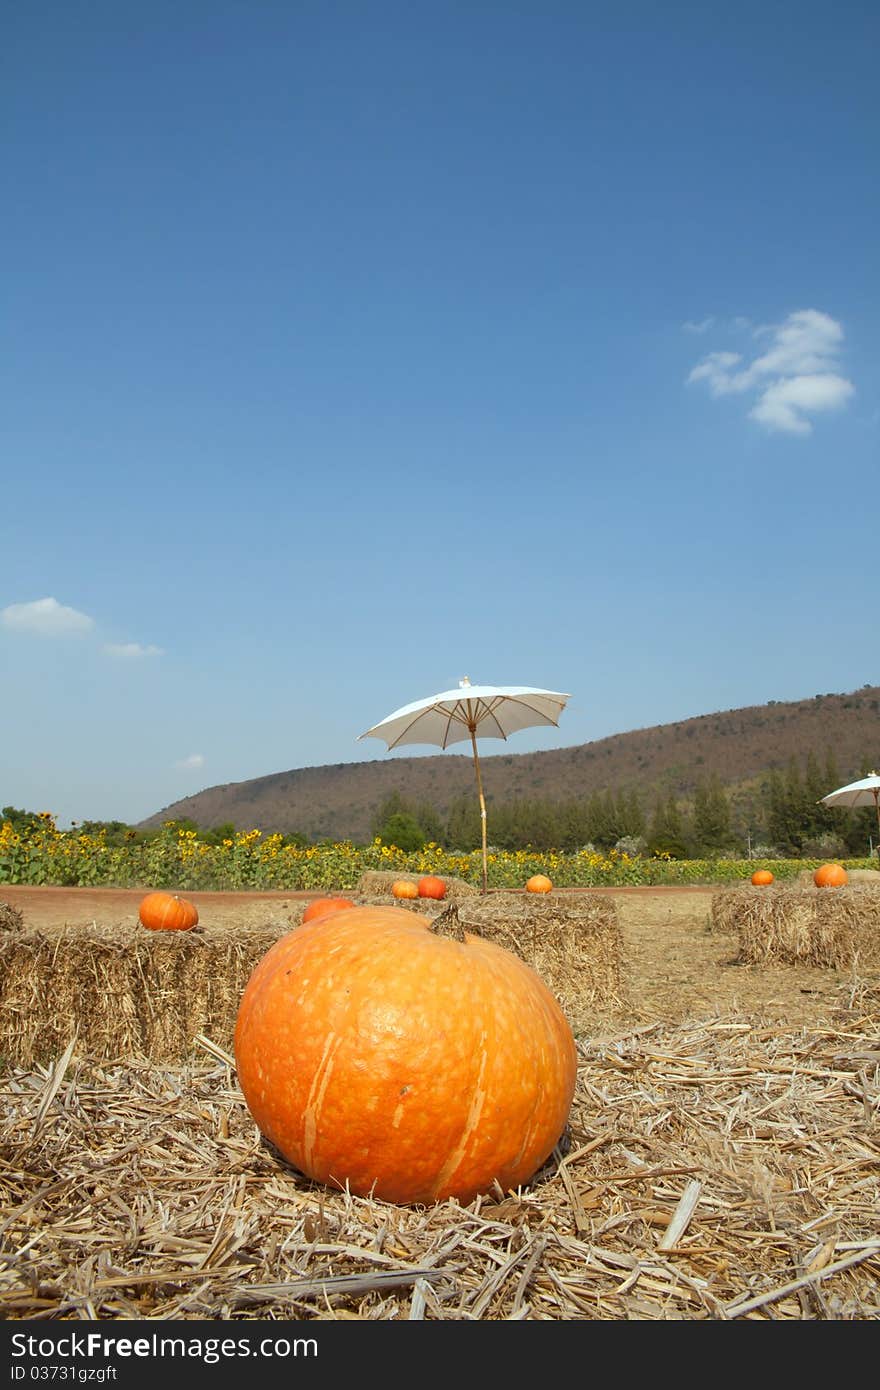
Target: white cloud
716	368
740	322
785	404
45	616
131	650
795	377
807	342
194	760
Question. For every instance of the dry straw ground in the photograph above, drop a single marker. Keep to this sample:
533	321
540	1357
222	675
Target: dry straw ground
721	1160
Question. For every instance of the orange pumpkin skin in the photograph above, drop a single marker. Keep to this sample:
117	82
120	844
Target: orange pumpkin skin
830	876
409	1066
404	888
761	877
538	883
319	907
431	887
167	912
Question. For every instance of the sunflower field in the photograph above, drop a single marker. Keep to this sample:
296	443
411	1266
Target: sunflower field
176	857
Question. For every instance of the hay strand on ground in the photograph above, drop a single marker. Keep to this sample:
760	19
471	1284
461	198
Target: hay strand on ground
800	925
720	1170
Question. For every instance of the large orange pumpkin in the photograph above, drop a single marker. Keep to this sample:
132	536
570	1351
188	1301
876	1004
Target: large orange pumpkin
830	876
761	877
410	1066
319	907
404	888
161	911
429	886
538	883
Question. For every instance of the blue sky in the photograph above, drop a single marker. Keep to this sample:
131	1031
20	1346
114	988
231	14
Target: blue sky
349	348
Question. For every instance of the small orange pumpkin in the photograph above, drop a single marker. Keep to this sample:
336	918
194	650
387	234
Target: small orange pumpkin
363	1054
762	877
429	886
538	883
162	911
404	888
319	907
830	876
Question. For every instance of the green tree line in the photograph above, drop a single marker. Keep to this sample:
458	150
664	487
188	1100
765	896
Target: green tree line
782	814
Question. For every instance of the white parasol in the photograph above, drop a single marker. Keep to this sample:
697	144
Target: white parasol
490	711
865	792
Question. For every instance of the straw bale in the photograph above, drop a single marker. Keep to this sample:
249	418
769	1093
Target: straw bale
123	991
724	908
718	1170
10	918
574	944
798	925
375	882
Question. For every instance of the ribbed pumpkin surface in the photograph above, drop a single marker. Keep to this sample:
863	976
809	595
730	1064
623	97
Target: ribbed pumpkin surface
403	888
413	1067
830	876
539	883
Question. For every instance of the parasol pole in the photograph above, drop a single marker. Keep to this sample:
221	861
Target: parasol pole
473	729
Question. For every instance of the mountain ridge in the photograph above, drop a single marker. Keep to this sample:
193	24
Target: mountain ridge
740	746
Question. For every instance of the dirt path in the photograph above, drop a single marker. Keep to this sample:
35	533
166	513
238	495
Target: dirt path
675	966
